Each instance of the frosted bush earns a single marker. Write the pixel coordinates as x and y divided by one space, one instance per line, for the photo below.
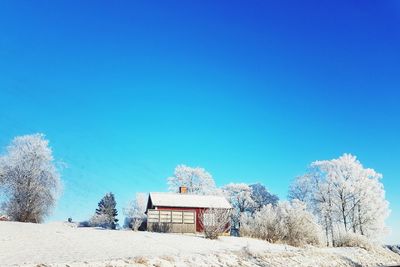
214 222
354 240
285 223
247 227
300 226
100 220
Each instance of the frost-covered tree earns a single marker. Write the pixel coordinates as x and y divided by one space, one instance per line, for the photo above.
261 196
345 196
135 212
301 188
29 180
310 189
197 180
106 211
239 195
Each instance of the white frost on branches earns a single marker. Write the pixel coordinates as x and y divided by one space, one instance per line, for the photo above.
214 222
30 182
287 222
261 196
135 211
197 180
239 195
345 196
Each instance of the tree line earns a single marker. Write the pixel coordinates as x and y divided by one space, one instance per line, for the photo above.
333 201
336 201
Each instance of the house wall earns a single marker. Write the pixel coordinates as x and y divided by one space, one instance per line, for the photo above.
197 211
175 221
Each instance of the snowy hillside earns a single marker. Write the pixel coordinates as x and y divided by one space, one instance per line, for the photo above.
59 244
394 248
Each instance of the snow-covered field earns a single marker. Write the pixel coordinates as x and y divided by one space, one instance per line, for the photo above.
63 244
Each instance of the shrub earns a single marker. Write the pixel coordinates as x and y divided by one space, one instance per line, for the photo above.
301 227
140 260
285 223
214 222
136 224
84 224
354 240
100 220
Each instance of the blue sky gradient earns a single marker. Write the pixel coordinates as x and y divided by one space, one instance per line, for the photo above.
251 91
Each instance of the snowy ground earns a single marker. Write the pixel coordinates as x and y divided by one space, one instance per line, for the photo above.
62 244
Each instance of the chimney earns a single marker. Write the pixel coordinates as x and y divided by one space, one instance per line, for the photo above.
182 190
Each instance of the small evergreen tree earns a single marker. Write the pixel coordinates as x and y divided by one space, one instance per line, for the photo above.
107 210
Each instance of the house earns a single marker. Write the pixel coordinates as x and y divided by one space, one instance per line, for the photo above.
181 212
4 218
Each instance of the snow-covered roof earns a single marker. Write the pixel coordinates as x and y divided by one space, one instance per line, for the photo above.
189 201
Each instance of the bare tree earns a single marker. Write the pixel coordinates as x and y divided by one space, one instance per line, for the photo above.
214 222
30 182
135 212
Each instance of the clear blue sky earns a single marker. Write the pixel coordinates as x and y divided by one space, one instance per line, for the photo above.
253 91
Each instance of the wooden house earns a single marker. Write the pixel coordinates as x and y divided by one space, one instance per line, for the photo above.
181 212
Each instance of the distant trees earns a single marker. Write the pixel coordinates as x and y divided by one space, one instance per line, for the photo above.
301 187
135 212
106 213
261 196
347 200
247 199
244 198
239 195
197 180
29 180
345 196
